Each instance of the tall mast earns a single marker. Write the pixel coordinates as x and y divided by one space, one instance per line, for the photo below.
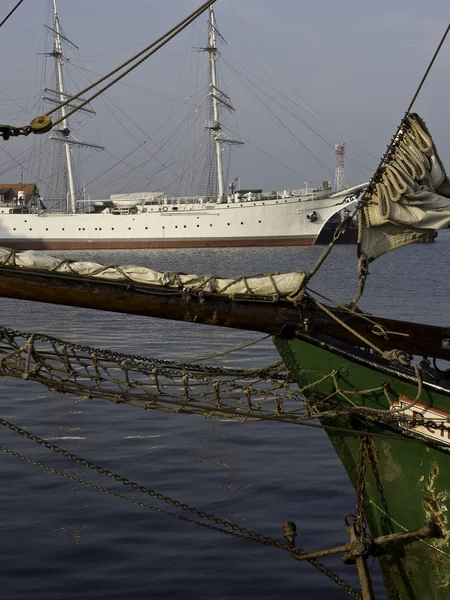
63 134
57 53
217 129
217 98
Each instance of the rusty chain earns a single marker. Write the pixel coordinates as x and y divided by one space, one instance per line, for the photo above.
360 488
8 131
226 526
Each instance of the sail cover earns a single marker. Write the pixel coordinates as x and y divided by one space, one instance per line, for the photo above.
276 285
412 197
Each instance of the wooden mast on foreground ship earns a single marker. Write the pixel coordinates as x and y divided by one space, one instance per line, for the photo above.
381 395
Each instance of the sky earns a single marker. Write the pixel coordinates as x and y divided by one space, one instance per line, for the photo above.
302 76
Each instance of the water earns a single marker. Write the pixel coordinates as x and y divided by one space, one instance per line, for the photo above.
61 540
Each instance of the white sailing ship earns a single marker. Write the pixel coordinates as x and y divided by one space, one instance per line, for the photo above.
156 220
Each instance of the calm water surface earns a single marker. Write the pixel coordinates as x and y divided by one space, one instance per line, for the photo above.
61 540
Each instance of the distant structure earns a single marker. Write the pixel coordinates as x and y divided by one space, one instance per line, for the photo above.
339 178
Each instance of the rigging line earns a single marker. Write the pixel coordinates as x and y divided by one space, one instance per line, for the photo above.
11 12
277 161
181 75
156 45
367 192
140 89
289 100
402 122
289 86
230 351
158 146
119 160
362 167
106 99
175 157
277 119
361 315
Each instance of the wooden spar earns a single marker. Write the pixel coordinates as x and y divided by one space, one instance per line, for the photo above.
212 309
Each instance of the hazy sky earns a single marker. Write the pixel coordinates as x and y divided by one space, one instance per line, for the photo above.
329 71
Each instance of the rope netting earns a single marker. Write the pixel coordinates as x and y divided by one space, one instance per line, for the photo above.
149 383
267 393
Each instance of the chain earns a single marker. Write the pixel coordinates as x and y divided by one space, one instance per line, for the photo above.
360 487
120 356
126 498
226 526
7 131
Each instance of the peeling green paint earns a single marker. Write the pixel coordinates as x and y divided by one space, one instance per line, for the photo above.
406 484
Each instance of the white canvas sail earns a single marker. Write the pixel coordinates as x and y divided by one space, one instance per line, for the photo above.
412 198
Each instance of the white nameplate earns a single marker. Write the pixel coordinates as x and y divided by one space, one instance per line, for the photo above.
430 422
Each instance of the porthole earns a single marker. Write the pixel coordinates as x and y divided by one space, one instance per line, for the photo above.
31 229
259 221
185 226
198 225
129 228
112 228
242 223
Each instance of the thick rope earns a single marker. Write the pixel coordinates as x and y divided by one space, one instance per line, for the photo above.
145 54
11 12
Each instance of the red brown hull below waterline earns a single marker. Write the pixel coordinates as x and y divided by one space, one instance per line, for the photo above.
36 244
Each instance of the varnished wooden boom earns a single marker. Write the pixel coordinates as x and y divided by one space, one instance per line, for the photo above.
212 309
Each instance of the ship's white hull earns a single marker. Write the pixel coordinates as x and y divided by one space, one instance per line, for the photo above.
282 222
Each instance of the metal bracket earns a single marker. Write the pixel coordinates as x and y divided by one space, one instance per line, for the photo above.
357 550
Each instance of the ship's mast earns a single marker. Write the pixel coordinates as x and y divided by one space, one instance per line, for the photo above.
217 98
57 53
63 134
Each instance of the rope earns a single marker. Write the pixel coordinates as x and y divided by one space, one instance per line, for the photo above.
341 229
363 272
367 193
394 139
11 12
235 349
343 324
156 45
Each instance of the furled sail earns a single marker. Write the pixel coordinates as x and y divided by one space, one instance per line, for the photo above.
279 285
412 197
